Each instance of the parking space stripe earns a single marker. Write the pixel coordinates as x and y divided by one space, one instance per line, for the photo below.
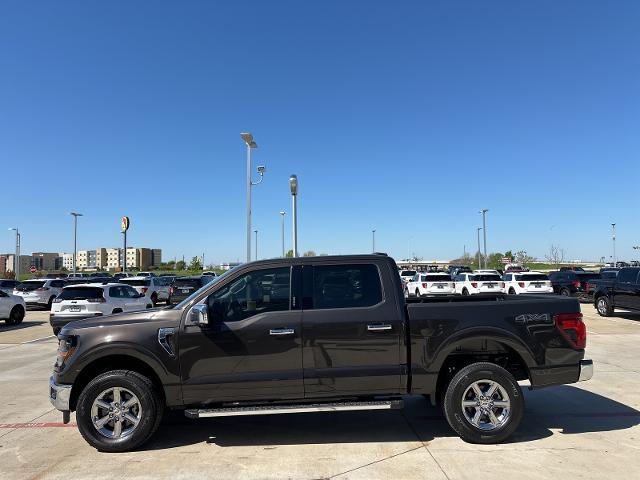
37 425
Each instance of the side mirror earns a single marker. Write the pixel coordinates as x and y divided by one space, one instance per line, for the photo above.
200 316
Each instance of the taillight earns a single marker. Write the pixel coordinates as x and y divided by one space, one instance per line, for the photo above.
171 290
57 300
572 328
521 284
144 289
576 283
425 285
474 284
96 300
42 289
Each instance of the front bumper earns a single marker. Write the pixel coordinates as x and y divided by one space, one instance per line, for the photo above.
59 395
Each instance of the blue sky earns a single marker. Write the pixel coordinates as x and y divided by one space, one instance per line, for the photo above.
406 117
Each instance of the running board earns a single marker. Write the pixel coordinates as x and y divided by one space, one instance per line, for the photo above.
299 408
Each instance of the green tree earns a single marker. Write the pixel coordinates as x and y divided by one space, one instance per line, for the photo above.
195 264
180 265
289 254
309 253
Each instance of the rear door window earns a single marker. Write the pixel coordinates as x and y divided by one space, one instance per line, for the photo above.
346 286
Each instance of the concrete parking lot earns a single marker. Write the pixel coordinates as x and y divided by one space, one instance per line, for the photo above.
589 430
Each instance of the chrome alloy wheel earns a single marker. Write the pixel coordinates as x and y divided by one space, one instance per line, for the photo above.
602 307
116 412
486 405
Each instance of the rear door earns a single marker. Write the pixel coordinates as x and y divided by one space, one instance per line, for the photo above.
626 290
351 330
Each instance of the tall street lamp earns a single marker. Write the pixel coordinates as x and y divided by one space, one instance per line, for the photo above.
282 214
613 237
251 144
256 232
16 257
75 238
479 254
484 233
373 240
293 184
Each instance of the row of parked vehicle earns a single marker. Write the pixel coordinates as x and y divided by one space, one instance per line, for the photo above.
78 297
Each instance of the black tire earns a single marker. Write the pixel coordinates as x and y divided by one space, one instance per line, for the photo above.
465 292
56 330
116 310
512 291
150 403
461 385
603 306
154 299
417 292
50 303
565 292
16 315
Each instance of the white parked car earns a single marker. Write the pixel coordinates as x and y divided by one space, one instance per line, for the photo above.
39 292
475 283
145 274
94 300
426 284
12 308
155 289
527 282
490 272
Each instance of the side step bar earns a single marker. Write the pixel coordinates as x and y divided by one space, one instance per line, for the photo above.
299 408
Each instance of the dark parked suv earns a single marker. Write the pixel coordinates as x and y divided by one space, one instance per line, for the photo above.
182 287
573 283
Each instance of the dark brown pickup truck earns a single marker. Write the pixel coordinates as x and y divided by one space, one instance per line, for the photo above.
318 334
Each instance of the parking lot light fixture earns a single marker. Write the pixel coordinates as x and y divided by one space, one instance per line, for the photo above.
16 257
293 185
282 214
484 233
613 238
251 144
75 238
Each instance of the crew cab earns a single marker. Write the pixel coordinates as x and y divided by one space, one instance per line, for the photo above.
620 291
526 282
425 284
475 283
573 283
315 334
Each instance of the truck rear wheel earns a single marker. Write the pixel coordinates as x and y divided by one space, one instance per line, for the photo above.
118 411
483 403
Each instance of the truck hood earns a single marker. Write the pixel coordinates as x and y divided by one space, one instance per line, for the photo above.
165 316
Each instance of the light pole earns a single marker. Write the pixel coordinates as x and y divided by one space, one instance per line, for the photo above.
613 237
16 257
479 254
484 233
256 232
293 184
282 214
75 238
251 144
373 241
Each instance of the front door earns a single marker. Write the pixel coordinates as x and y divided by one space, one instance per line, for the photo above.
352 331
252 349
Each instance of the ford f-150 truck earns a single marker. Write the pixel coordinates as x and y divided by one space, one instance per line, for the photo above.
315 334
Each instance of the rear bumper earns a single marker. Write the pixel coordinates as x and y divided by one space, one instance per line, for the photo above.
545 377
62 320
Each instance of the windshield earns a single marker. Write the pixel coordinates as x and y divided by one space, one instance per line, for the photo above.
531 278
136 283
187 300
80 293
30 285
408 273
485 278
186 282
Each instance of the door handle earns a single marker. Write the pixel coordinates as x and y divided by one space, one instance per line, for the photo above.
282 331
379 327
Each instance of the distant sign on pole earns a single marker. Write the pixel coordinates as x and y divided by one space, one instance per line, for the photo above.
124 224
33 269
505 260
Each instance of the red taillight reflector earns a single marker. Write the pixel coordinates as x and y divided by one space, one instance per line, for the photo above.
474 284
576 283
425 285
144 289
521 284
572 328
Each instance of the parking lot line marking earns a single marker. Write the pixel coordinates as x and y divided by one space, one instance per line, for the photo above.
37 425
38 339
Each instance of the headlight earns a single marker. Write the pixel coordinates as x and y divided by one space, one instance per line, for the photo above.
66 348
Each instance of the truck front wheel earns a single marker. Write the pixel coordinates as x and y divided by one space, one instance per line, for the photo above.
603 305
483 403
118 411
